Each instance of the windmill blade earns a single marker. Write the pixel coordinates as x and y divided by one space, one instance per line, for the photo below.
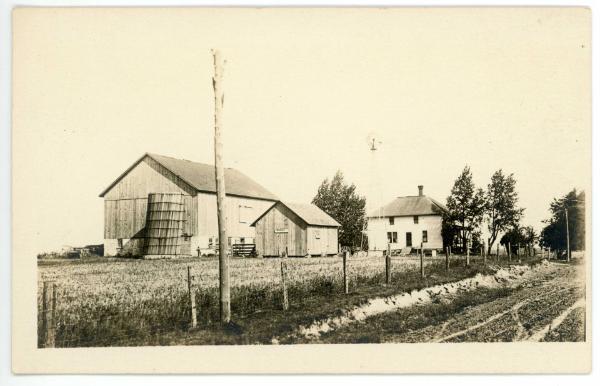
373 140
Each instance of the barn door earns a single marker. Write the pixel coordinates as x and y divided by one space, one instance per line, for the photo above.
281 242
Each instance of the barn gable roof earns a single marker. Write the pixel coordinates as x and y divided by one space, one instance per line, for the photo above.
410 206
202 178
309 213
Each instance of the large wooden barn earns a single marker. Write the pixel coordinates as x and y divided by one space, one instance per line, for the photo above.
298 229
181 218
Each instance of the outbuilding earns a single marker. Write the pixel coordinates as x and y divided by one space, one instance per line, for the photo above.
298 229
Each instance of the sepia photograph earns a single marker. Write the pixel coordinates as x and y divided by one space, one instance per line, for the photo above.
304 179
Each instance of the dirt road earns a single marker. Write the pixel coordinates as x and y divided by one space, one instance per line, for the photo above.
546 304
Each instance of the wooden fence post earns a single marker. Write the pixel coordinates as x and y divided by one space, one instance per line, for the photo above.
509 252
422 265
447 259
48 311
388 265
284 286
484 254
468 255
498 252
192 297
345 270
388 269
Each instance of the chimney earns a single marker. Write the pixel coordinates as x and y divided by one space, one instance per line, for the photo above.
420 190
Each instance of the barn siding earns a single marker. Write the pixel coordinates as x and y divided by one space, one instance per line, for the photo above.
332 237
326 243
190 205
122 218
207 217
147 177
267 240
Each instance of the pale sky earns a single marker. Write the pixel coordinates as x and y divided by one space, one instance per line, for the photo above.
441 88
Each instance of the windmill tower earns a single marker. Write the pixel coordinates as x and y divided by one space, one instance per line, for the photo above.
375 192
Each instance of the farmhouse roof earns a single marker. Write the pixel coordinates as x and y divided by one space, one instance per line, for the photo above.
410 206
202 177
309 213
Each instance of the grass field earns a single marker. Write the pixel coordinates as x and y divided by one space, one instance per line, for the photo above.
108 302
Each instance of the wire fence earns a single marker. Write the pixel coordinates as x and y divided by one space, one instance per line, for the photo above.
142 302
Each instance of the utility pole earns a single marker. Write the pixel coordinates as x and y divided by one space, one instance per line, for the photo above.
224 287
568 241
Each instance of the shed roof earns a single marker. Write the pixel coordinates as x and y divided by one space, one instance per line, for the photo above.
202 177
410 206
309 213
312 214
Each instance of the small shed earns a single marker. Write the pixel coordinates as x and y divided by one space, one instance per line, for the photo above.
299 229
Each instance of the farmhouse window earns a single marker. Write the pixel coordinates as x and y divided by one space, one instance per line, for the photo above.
424 236
317 234
245 213
416 219
391 221
408 239
392 237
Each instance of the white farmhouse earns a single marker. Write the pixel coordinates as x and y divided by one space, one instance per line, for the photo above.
407 222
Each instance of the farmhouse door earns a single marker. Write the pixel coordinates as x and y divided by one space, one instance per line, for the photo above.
281 242
408 239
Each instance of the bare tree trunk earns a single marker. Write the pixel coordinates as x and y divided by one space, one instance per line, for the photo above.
491 241
464 238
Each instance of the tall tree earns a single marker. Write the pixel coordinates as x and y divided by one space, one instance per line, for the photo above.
554 235
450 230
501 205
519 236
341 201
530 237
465 206
514 236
